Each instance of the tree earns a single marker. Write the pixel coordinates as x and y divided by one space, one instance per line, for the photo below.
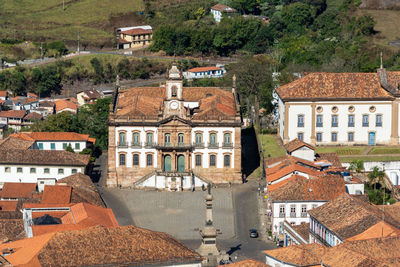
69 149
98 69
49 81
357 165
374 175
245 6
297 16
254 79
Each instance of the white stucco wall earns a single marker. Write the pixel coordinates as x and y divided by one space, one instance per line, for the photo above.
277 220
392 169
361 133
304 153
59 145
281 119
352 189
27 177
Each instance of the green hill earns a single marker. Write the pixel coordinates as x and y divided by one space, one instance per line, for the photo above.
41 20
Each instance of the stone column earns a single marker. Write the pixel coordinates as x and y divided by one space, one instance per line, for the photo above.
313 123
394 137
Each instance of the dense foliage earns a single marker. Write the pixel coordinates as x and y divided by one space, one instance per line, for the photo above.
306 35
91 119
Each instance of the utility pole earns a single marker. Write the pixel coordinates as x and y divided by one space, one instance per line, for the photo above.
41 50
78 42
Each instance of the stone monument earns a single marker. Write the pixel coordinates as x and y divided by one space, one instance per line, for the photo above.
208 248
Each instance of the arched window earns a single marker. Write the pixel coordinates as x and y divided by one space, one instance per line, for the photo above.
149 160
199 139
213 162
227 160
213 139
227 139
174 91
122 139
135 139
122 159
135 160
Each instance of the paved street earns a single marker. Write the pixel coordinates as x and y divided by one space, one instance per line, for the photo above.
181 214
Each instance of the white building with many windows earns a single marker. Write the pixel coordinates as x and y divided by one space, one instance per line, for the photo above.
341 108
292 201
174 137
29 166
57 140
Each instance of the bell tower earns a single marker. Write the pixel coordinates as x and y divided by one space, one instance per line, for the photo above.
173 103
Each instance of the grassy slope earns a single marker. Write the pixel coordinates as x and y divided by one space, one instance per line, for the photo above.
45 19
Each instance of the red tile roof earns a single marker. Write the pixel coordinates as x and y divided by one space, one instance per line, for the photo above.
299 255
114 246
52 136
3 93
11 230
33 116
65 104
247 263
32 95
17 190
201 69
56 194
223 8
323 188
337 86
43 157
347 216
292 168
296 144
8 205
15 143
13 114
137 31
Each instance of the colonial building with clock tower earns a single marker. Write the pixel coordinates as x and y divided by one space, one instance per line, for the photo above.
173 137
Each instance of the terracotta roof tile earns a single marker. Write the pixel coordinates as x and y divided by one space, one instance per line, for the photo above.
137 31
12 142
296 144
52 136
83 189
322 188
99 246
8 205
339 86
291 169
273 187
247 263
65 104
371 252
46 103
300 255
33 116
43 157
56 194
13 114
223 8
303 230
201 69
330 157
17 190
3 93
347 216
32 95
11 230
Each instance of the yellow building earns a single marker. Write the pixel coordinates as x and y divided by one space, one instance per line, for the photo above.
134 37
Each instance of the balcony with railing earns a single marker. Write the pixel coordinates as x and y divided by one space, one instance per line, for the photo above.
170 145
282 215
292 214
304 214
123 144
227 145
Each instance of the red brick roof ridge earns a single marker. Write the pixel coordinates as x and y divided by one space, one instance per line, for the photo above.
322 85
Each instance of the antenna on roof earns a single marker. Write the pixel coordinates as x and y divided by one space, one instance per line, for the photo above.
381 62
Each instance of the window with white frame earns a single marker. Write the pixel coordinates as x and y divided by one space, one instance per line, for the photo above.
350 121
282 211
303 210
300 120
378 122
319 137
365 120
335 121
293 211
319 121
350 136
334 137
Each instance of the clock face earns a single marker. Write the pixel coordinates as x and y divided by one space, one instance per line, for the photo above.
173 105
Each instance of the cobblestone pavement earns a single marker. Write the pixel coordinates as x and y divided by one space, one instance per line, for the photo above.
180 214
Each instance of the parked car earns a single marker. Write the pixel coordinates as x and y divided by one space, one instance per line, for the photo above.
253 233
